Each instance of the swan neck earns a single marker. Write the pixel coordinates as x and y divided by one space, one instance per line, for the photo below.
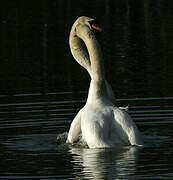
96 57
79 52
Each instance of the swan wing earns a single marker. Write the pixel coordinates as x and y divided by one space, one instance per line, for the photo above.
75 128
126 128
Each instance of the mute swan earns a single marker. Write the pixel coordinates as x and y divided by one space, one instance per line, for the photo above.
100 122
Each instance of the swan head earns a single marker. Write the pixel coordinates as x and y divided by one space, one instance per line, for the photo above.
77 46
84 21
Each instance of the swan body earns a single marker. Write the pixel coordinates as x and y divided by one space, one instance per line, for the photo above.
100 122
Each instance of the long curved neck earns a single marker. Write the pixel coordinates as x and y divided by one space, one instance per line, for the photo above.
97 86
95 56
79 52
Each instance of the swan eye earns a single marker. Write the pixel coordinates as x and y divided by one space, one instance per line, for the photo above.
91 23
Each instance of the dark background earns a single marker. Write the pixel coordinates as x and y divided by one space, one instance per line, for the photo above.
42 87
137 42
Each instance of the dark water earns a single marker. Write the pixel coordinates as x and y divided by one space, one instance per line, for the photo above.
42 88
30 150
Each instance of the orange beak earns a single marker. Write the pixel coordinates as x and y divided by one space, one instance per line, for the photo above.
95 26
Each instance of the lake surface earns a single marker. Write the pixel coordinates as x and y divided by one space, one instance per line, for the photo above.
30 150
42 88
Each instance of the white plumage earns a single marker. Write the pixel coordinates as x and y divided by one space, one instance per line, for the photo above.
100 122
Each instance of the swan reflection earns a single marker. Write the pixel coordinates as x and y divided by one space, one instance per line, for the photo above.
104 163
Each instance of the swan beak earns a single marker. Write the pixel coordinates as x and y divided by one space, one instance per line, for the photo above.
95 26
75 34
